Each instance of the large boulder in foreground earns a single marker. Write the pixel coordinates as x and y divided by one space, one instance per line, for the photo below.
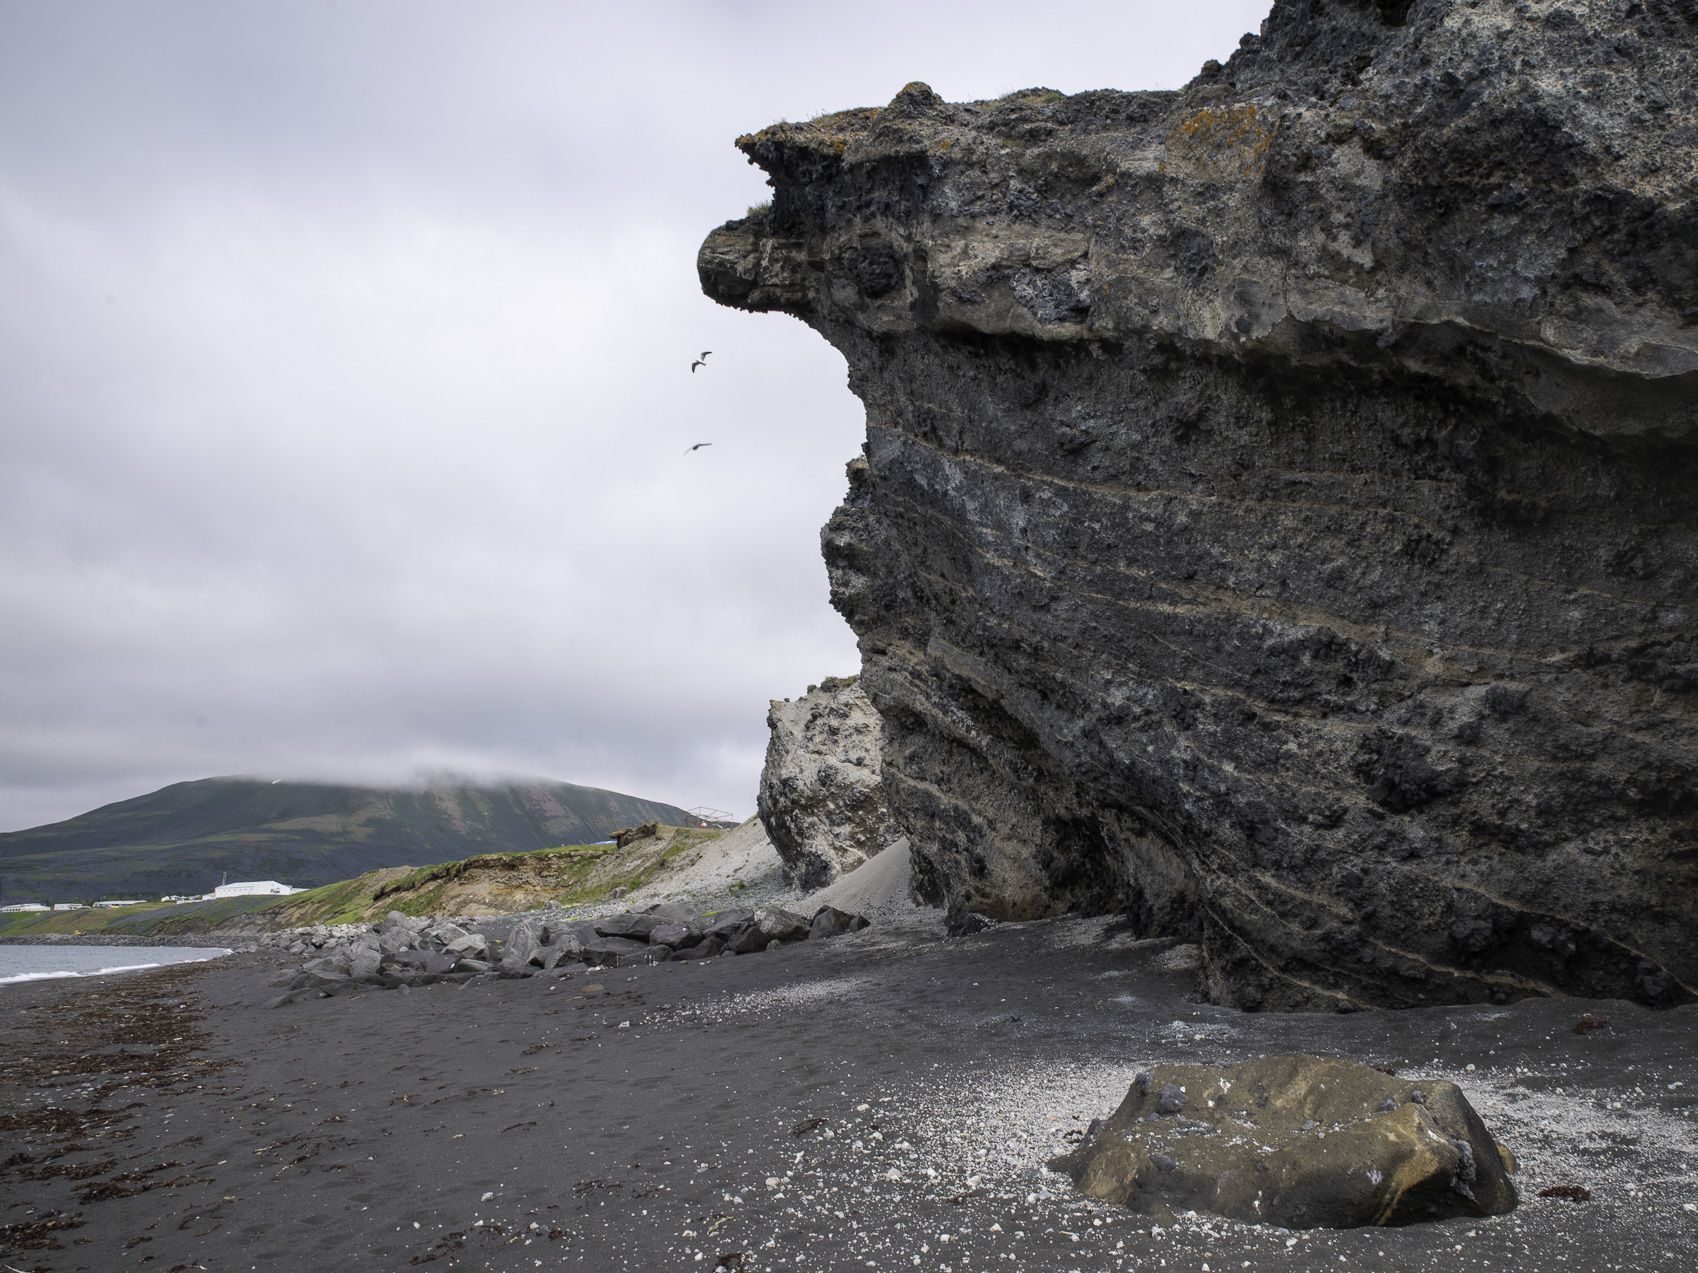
1277 519
1303 1142
821 798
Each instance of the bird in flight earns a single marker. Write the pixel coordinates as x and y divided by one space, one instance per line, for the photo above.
700 362
698 446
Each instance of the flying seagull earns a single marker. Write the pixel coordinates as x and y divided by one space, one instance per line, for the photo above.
698 446
700 362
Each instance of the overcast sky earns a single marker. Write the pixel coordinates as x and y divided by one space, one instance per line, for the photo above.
344 379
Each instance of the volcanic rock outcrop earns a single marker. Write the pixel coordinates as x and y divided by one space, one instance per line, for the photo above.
821 799
1303 1142
1276 519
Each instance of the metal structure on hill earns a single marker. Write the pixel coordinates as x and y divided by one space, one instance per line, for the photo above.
713 819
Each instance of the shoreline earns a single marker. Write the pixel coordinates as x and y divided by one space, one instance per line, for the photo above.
91 963
644 1115
230 941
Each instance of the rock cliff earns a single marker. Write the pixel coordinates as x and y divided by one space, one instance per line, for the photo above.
1277 513
821 798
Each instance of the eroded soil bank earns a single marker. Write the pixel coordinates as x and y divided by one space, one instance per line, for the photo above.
167 1121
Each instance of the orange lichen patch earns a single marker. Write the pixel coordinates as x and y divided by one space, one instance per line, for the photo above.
1233 139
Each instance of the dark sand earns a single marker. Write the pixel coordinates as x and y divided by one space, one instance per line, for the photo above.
170 1122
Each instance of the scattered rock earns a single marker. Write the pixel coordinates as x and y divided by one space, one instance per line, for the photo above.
403 951
1299 1141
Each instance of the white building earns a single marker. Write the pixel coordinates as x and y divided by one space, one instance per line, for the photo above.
133 902
23 906
251 888
70 906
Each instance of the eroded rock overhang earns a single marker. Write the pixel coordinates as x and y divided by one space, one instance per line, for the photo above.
1277 514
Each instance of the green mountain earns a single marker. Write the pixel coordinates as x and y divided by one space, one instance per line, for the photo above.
185 837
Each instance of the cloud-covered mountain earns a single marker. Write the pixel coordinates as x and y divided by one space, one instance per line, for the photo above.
185 837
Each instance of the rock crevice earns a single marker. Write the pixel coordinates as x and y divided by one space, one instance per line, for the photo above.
1277 513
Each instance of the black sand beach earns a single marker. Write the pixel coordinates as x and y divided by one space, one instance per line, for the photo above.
884 1100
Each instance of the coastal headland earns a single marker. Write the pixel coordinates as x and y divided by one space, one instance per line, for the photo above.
1271 561
1277 509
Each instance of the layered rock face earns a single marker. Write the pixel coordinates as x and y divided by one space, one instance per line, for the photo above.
821 798
1277 512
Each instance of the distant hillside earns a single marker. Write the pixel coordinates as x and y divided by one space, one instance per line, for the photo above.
484 885
182 838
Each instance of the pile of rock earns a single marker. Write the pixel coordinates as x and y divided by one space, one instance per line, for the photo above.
405 951
303 941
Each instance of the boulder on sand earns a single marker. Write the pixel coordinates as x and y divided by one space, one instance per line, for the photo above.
522 948
830 922
706 949
472 945
636 927
444 932
565 942
778 924
747 939
621 952
365 957
726 923
320 974
1303 1142
671 913
677 936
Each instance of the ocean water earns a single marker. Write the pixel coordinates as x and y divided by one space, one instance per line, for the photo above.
37 963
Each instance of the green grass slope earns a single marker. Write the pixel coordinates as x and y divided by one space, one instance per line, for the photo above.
147 920
182 838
